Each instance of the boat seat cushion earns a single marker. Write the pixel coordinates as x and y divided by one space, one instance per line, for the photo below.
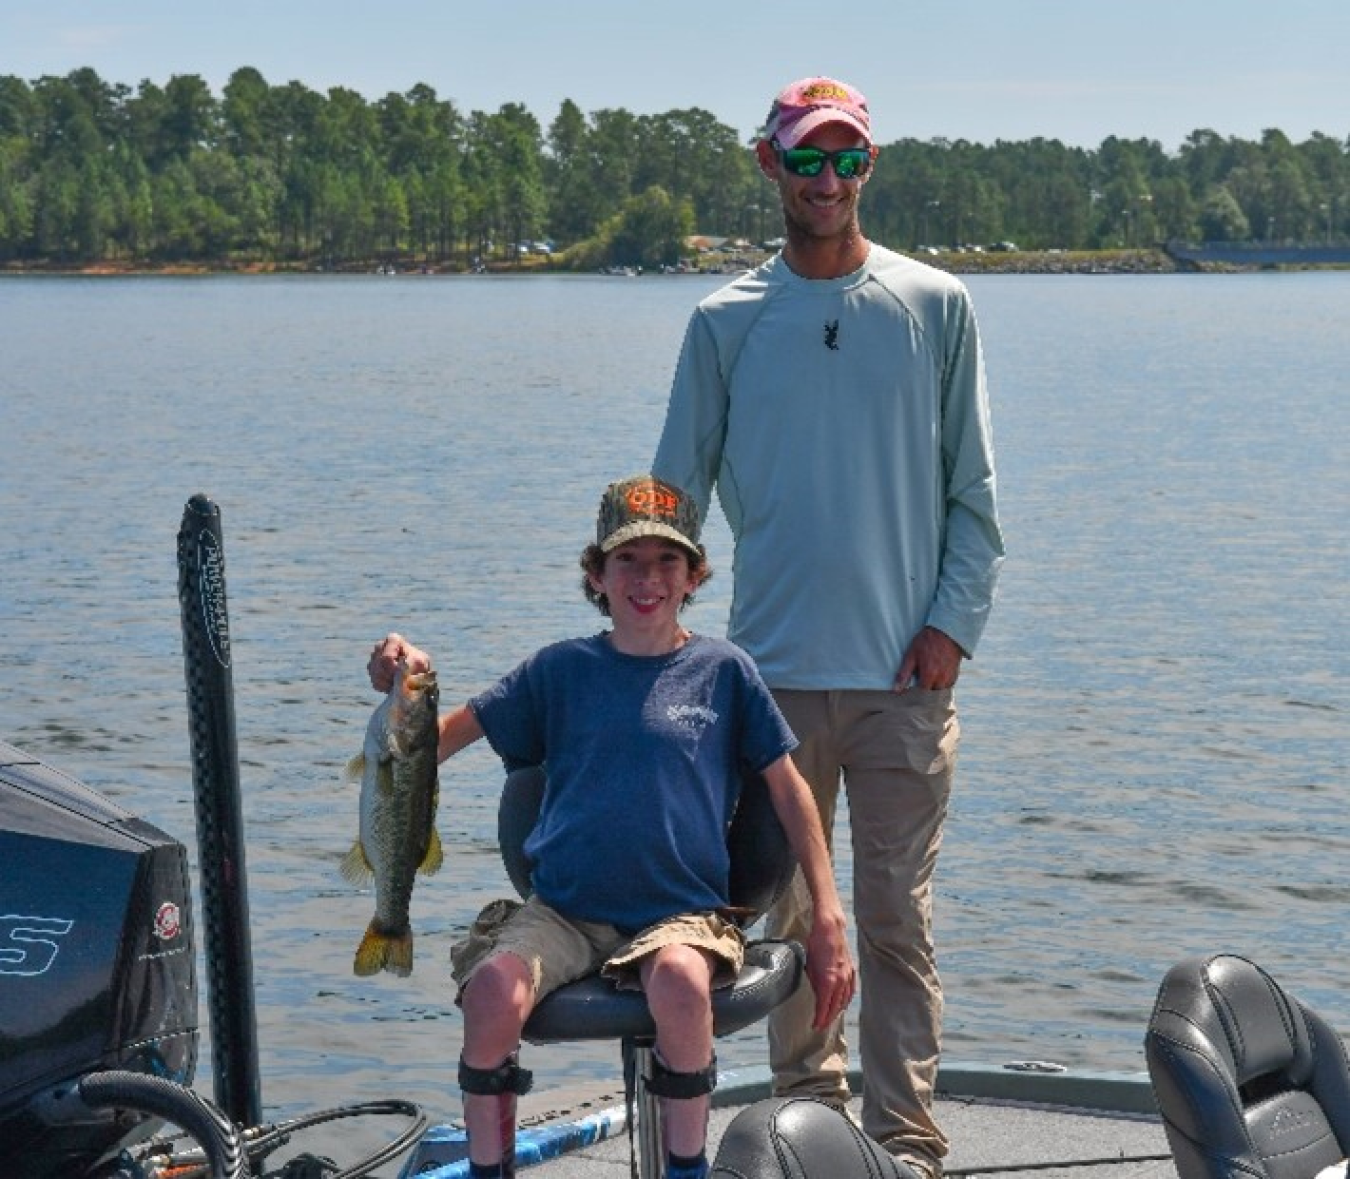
800 1138
593 1008
1247 1079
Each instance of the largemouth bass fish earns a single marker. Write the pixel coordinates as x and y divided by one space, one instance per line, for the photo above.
399 793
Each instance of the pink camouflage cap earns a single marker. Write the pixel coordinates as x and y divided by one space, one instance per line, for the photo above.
812 103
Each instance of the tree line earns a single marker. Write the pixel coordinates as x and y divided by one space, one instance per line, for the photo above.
94 172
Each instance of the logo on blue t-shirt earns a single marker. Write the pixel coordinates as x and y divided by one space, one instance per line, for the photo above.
694 717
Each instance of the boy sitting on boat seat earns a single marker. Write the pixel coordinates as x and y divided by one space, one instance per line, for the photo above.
644 729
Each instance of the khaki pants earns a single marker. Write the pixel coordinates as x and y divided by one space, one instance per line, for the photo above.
896 754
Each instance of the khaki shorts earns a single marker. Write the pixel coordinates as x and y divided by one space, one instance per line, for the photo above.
558 950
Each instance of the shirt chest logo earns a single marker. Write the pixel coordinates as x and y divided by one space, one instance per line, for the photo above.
694 717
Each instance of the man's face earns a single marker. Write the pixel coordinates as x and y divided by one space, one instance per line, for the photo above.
821 207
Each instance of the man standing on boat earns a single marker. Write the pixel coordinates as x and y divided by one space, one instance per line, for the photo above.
835 397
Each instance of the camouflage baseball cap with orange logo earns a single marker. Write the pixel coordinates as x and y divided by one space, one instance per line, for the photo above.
644 506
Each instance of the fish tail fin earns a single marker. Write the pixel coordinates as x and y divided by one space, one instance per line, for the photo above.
435 857
380 950
355 865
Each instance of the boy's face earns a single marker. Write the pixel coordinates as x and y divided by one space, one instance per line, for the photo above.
646 581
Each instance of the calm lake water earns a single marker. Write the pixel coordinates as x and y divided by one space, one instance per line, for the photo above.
1155 755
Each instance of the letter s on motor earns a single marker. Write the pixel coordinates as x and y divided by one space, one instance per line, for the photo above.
26 945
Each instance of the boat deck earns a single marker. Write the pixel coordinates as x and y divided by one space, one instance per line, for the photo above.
1063 1125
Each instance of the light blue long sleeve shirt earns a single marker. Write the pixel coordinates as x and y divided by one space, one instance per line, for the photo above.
845 425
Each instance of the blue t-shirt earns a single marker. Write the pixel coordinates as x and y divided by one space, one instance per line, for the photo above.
644 756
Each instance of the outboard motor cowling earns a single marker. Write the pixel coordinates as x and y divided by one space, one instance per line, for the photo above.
97 967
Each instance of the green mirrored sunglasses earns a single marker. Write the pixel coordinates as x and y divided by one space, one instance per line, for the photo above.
849 164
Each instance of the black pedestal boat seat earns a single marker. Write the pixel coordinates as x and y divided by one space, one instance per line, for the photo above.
800 1138
1249 1081
592 1008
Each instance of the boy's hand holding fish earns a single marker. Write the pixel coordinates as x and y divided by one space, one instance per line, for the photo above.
385 656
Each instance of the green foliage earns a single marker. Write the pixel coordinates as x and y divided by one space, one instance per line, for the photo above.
649 231
92 172
1221 217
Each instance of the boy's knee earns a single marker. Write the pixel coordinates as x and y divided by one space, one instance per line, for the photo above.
501 984
682 970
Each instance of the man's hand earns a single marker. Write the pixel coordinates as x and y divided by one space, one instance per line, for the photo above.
933 662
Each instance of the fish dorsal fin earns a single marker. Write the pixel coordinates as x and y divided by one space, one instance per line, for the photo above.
355 865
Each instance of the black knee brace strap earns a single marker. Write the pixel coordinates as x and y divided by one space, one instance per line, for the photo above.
507 1077
666 1083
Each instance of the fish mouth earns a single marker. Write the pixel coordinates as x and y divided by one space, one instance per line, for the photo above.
420 681
415 692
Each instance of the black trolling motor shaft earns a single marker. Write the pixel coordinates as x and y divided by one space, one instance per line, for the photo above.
220 826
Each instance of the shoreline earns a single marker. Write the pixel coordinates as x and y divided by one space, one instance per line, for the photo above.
1131 261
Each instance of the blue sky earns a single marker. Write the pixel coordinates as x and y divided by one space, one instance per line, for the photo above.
981 70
